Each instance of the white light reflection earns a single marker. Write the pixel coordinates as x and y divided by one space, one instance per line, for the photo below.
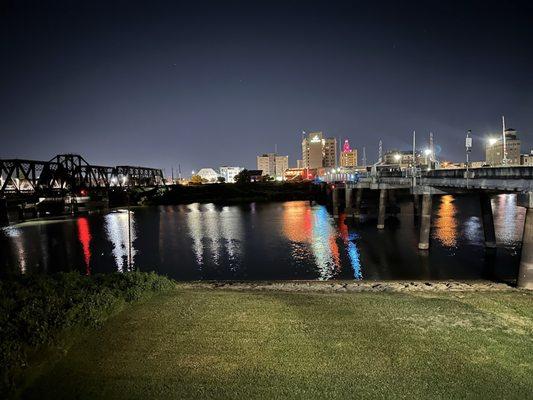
508 219
16 240
214 232
116 227
194 222
232 234
323 244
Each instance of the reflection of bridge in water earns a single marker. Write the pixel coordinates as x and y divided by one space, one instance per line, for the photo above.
483 181
67 177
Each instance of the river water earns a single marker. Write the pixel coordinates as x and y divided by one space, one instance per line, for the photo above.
286 240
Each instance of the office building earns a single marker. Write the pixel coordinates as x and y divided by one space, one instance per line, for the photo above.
273 165
318 151
348 155
494 150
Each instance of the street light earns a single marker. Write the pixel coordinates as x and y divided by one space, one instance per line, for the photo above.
492 141
397 157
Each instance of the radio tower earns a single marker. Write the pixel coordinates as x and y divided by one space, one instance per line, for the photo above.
380 152
364 156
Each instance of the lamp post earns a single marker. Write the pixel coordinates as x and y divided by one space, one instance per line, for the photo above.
468 146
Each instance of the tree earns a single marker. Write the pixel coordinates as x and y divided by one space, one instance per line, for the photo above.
221 179
196 180
243 177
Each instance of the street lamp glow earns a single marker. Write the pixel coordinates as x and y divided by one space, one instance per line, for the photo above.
397 157
427 152
492 141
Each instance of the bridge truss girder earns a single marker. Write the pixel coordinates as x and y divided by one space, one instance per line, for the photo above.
70 173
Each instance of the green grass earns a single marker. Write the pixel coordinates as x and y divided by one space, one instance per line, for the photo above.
200 343
41 312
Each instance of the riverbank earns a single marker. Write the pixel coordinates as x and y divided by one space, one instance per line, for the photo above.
222 340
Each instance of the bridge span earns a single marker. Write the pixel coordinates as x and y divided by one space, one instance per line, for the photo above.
67 180
423 186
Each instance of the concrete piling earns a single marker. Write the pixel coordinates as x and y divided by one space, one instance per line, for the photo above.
382 208
348 202
488 221
525 270
335 200
358 200
425 222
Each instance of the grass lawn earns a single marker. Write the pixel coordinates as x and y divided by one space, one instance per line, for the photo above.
201 343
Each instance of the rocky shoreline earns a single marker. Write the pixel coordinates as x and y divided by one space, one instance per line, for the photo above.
352 286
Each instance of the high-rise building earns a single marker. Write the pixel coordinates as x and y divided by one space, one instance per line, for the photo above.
282 164
267 164
229 173
318 152
272 165
494 150
348 155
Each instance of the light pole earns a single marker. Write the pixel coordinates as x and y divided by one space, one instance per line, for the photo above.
468 146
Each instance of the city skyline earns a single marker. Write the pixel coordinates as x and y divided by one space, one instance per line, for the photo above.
227 82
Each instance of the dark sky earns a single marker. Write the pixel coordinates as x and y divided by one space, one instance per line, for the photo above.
214 83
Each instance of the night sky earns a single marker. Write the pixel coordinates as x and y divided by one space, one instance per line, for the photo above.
206 84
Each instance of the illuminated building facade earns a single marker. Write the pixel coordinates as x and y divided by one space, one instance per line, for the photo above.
208 174
229 173
273 165
348 155
494 151
318 151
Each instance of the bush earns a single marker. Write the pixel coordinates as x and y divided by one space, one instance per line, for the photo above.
35 309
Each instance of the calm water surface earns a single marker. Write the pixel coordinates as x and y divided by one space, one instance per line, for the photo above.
290 240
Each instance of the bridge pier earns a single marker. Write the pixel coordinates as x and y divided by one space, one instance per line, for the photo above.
335 201
348 202
525 271
382 208
488 220
358 201
416 205
425 222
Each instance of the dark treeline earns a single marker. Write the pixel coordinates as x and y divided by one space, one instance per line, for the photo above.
234 193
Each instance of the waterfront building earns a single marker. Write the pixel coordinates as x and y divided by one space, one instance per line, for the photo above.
208 174
494 149
228 173
402 158
296 174
348 155
318 151
527 159
273 165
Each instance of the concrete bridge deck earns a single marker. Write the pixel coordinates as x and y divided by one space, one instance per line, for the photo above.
483 181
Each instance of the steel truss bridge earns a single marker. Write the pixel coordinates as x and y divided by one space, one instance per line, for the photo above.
70 173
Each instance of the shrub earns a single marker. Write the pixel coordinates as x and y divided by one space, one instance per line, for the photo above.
35 309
